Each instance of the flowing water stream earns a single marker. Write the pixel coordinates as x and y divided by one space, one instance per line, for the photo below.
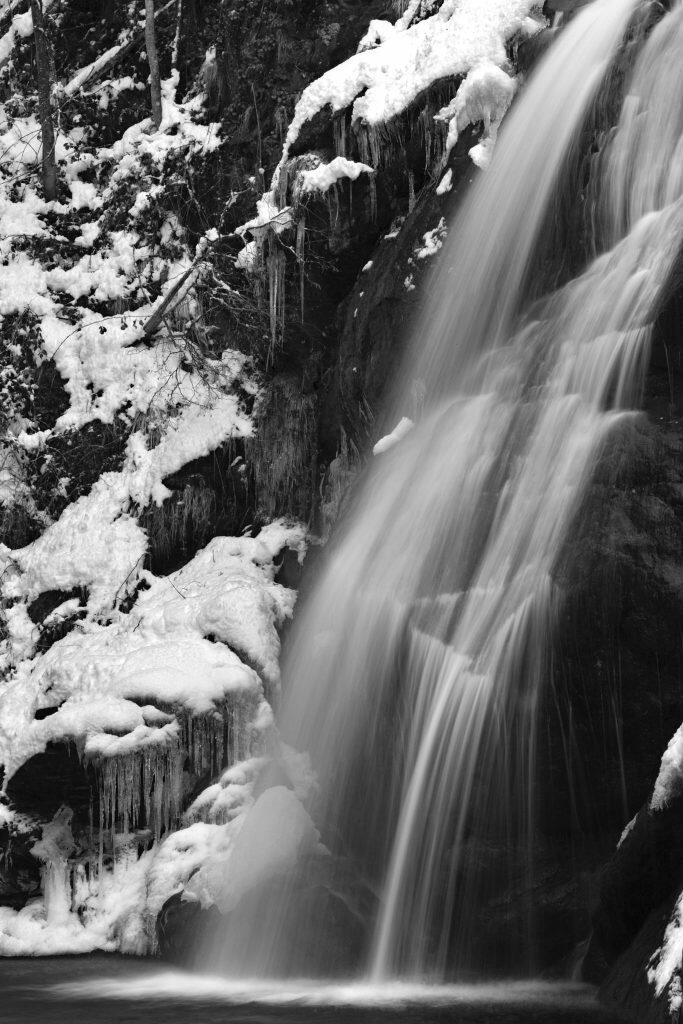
415 671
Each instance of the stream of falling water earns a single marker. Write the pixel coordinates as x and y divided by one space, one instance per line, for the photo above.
414 674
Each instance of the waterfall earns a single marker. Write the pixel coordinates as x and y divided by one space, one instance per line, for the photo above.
414 673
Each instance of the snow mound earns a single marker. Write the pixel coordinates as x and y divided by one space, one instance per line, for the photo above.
268 841
398 62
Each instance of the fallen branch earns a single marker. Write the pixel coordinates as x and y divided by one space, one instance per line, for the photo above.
97 69
176 295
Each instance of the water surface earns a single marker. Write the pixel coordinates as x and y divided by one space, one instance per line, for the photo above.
119 990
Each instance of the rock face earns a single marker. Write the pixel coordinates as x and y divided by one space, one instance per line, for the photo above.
623 646
181 926
614 697
628 986
640 881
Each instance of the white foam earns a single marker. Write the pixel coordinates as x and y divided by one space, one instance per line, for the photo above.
177 984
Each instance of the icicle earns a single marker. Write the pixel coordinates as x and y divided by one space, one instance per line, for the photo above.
273 283
375 146
363 145
176 39
220 739
339 133
372 188
100 848
140 785
53 850
300 256
333 198
56 884
276 265
283 185
91 823
411 190
439 140
426 119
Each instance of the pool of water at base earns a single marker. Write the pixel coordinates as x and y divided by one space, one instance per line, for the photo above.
122 990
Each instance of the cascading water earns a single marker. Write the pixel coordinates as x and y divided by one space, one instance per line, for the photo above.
414 674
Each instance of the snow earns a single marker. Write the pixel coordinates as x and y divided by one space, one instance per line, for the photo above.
380 82
248 257
664 968
87 72
269 841
224 800
21 28
28 932
21 218
119 688
111 910
485 95
401 430
669 783
394 65
432 241
268 216
94 544
446 183
187 667
102 676
212 860
628 828
378 32
90 232
321 178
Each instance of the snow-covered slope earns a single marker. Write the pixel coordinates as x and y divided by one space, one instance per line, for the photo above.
156 681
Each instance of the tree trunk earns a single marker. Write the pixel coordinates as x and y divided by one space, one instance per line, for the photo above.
47 130
151 45
176 40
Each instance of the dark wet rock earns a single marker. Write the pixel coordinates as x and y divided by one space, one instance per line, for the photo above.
320 909
536 920
386 301
628 986
19 869
53 778
531 50
181 927
48 781
644 875
325 937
